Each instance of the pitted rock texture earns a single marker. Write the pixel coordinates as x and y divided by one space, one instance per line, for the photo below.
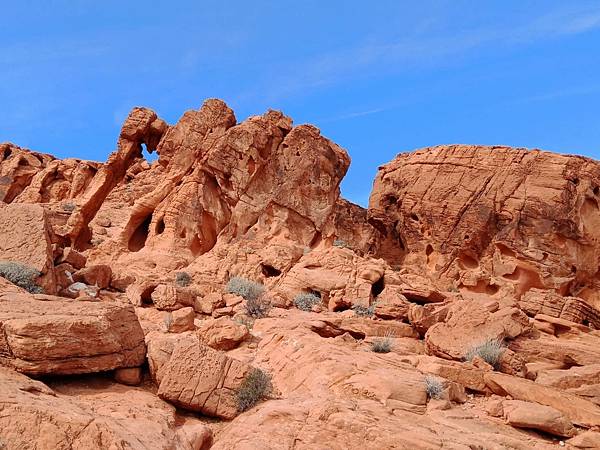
493 219
460 245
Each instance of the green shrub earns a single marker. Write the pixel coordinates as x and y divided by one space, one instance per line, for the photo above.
490 351
21 275
364 311
306 301
183 279
250 290
434 387
255 387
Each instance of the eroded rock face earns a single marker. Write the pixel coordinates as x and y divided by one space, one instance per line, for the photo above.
194 376
460 245
493 218
75 416
59 336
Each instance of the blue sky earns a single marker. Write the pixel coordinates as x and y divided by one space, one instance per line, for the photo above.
378 77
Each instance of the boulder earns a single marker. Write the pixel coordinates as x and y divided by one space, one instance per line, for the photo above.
170 298
180 320
75 415
72 257
538 417
468 324
95 275
222 333
579 411
42 337
32 248
194 376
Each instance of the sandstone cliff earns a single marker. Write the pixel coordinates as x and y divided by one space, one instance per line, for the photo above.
460 310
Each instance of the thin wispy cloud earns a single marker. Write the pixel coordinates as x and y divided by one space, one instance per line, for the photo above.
352 115
419 50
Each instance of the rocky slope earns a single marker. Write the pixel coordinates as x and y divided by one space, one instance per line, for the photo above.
149 305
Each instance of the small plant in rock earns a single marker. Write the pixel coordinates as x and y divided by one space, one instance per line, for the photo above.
434 387
306 301
68 206
21 275
247 321
254 388
183 279
340 243
489 350
250 290
364 311
258 307
168 321
383 344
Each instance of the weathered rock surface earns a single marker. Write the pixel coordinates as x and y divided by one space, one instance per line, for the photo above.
94 414
459 245
539 417
58 336
194 376
493 217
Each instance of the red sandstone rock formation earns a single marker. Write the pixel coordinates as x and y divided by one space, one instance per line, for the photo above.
460 246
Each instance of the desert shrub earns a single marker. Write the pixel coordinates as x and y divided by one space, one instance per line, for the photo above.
258 307
247 321
364 311
21 275
168 321
183 279
305 301
250 290
68 206
340 243
382 345
489 350
434 387
255 387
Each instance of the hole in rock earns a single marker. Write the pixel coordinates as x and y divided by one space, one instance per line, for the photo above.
596 190
251 166
148 156
429 249
146 295
160 226
23 162
377 287
7 153
183 233
316 240
269 271
390 200
137 241
207 237
467 261
414 217
575 181
573 269
467 237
